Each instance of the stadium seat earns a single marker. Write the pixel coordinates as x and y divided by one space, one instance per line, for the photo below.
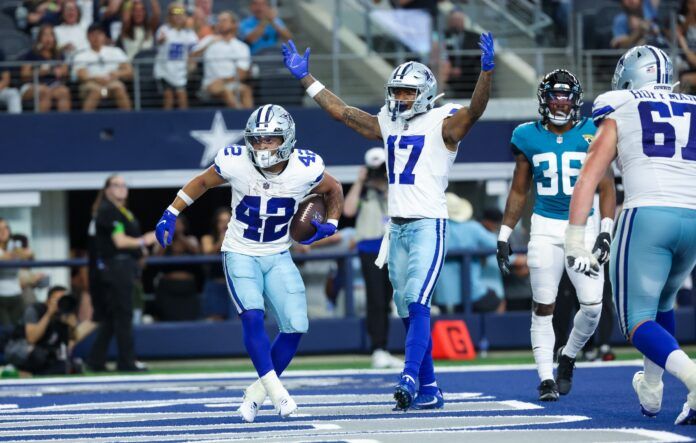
149 95
14 43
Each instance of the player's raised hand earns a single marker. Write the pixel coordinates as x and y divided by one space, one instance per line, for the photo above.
487 51
297 65
602 247
164 231
323 230
503 254
579 259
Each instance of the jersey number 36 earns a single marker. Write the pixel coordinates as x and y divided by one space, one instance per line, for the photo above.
571 162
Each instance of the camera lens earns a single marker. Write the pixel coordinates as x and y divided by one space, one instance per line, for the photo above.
67 304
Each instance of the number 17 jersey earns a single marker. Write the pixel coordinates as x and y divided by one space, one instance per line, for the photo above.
418 163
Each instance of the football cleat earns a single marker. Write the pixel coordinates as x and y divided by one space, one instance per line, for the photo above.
687 416
285 406
649 396
404 392
428 397
254 396
248 411
382 359
564 373
548 391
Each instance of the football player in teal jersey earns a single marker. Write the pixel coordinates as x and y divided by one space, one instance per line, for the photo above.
549 153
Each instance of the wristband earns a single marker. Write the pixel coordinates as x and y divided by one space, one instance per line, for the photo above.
184 196
606 225
504 233
333 221
315 88
173 210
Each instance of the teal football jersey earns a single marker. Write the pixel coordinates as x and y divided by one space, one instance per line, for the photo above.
556 161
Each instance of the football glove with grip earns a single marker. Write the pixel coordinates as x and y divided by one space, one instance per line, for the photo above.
487 51
323 230
503 254
166 225
602 247
578 257
297 64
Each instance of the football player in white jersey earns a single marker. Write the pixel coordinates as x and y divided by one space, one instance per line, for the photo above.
652 132
269 178
421 143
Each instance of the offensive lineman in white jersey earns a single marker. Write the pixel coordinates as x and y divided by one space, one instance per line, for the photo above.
652 132
268 178
421 143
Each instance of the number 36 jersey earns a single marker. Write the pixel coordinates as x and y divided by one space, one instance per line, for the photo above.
656 145
262 207
418 163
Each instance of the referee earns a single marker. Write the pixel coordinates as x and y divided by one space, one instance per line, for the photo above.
116 244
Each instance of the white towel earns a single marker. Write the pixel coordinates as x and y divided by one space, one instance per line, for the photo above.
383 254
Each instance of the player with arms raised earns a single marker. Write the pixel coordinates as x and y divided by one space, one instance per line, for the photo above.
421 143
550 153
268 178
653 133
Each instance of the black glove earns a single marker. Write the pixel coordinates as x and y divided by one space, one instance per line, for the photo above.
602 247
503 256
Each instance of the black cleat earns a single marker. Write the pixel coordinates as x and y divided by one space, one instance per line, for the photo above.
548 391
564 373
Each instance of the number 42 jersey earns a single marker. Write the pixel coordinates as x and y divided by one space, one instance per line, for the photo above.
656 145
262 206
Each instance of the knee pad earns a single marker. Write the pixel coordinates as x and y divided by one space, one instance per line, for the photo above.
592 311
296 324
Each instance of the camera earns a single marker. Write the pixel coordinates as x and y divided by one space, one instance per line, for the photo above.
67 304
378 173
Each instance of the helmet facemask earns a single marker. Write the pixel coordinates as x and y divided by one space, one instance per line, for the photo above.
414 76
269 125
400 108
558 99
265 157
559 89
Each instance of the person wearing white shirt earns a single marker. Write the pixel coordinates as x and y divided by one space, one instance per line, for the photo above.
71 35
226 63
101 70
174 42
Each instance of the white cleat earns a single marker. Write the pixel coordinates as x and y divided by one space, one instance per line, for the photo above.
285 405
248 410
649 396
382 359
254 396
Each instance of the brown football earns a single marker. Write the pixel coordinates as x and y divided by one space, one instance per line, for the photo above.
311 208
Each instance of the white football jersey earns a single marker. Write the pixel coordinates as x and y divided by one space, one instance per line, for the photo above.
656 145
418 163
172 54
263 207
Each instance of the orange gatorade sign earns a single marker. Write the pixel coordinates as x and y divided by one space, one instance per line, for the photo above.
451 341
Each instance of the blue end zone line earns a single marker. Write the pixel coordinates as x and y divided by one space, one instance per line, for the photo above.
296 373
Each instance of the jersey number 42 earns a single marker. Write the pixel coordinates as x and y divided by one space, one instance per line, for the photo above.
279 211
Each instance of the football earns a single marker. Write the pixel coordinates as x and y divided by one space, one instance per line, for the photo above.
311 208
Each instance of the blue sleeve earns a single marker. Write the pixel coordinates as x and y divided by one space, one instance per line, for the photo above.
620 26
517 142
245 27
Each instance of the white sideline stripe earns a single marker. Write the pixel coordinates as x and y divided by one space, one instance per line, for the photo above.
222 376
8 406
520 405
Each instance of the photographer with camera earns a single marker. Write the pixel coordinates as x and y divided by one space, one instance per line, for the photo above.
367 201
43 343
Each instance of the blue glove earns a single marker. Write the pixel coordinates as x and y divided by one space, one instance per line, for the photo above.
487 51
323 230
166 224
296 64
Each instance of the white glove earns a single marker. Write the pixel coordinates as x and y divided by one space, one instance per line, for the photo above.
579 258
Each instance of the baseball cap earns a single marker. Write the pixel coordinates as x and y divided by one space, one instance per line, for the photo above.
374 157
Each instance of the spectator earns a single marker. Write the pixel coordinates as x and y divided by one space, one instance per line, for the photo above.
486 283
101 71
52 75
686 37
262 29
217 304
226 63
11 305
34 13
28 280
202 20
637 25
109 15
176 295
367 199
43 344
8 95
174 43
71 35
137 33
117 245
460 71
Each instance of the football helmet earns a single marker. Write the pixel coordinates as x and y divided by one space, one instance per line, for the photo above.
411 75
643 66
559 86
270 121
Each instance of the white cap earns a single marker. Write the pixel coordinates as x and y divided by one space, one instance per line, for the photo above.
374 157
459 209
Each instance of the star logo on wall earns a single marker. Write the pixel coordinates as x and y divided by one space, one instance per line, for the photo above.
216 138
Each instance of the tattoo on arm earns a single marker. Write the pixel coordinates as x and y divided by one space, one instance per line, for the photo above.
456 127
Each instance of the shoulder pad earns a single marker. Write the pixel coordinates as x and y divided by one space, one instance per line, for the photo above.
609 102
450 109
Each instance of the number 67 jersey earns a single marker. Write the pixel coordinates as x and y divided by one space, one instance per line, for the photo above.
656 145
262 206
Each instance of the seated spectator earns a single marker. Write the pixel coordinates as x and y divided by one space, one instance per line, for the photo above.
637 25
109 15
202 19
262 29
71 35
52 75
28 279
174 42
460 72
9 96
43 344
217 304
176 291
101 71
226 63
486 293
34 13
11 305
137 33
686 37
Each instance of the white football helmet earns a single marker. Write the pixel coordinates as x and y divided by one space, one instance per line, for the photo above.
643 66
270 121
411 75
